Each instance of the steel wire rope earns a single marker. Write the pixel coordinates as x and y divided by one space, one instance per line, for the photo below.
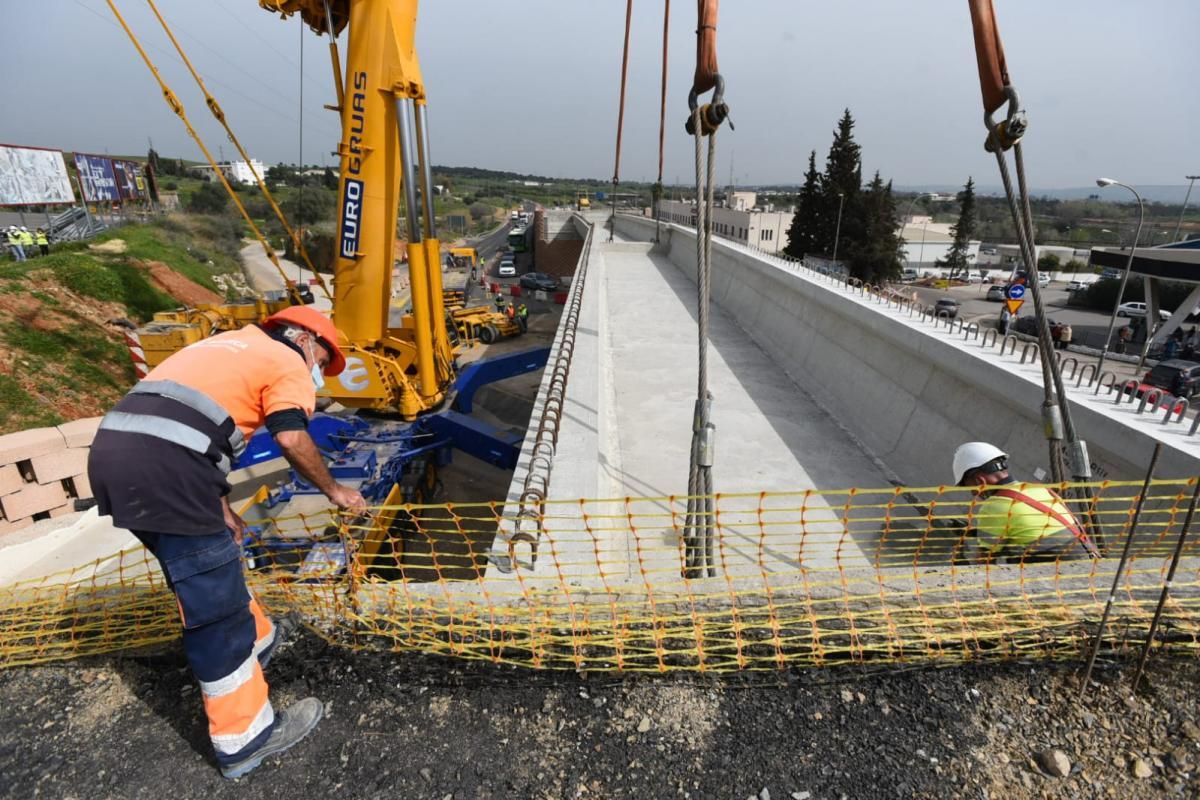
216 81
997 90
176 106
219 114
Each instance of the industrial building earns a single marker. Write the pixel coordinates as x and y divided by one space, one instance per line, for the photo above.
738 218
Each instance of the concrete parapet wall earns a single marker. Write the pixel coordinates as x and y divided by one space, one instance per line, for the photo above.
42 470
911 393
558 243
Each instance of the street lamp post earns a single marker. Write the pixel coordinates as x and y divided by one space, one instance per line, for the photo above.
1102 183
908 215
1190 179
838 235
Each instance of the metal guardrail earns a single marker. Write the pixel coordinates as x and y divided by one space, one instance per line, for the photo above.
536 485
990 339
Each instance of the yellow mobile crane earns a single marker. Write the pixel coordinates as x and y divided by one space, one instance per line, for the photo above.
384 151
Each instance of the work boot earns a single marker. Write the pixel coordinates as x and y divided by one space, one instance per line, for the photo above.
291 725
285 626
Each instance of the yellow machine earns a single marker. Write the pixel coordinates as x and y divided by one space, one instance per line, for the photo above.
384 150
582 202
464 257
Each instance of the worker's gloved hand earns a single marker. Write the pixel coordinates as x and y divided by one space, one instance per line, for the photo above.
347 499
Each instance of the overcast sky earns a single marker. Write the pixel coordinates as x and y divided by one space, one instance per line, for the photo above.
532 85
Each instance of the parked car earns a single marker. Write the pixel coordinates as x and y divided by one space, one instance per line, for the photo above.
1076 286
997 293
1043 279
989 251
946 307
1180 378
540 281
508 266
1132 310
1028 326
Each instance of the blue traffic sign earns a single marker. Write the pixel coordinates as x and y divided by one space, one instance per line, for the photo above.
1016 292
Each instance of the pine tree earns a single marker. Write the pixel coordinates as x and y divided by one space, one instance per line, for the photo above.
841 189
956 259
874 255
801 234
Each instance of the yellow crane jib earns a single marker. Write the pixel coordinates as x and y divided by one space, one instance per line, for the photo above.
384 151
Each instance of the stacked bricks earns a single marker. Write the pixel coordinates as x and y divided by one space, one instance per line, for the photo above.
43 471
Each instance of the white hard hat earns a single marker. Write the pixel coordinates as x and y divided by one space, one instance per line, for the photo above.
974 455
24 228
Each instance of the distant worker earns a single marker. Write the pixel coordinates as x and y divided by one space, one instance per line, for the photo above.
1064 336
523 317
159 466
499 301
1016 522
26 241
13 237
1124 337
510 311
43 241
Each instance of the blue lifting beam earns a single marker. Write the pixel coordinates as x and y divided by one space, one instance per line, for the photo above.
489 370
474 437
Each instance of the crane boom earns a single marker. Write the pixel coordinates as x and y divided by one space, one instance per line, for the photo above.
384 150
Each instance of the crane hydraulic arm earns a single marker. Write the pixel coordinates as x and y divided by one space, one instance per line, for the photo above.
384 150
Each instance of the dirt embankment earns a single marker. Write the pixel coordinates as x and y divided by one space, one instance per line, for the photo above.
187 292
403 725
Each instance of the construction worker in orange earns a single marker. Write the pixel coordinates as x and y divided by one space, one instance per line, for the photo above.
511 311
159 466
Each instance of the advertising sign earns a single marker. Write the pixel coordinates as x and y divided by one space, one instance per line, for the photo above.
33 176
126 174
97 178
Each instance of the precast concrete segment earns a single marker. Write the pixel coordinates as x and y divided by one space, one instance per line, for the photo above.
771 436
911 391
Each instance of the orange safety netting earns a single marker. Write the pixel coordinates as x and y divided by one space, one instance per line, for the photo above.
817 577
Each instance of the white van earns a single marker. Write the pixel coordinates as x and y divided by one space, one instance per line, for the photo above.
508 267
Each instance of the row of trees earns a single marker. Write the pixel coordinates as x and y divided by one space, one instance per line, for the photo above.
836 213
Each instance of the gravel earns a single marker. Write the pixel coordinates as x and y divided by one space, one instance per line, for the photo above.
405 725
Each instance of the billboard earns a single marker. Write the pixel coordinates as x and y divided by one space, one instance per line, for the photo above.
96 178
33 176
126 174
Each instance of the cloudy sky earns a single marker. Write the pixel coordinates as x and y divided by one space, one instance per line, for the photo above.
532 85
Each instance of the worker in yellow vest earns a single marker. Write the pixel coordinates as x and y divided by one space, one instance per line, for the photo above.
26 239
43 241
1016 522
13 237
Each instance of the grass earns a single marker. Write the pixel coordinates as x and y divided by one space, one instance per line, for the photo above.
19 410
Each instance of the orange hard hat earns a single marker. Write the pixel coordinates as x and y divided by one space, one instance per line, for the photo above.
319 325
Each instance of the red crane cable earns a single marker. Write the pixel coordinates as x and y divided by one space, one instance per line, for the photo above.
662 114
706 47
624 73
989 53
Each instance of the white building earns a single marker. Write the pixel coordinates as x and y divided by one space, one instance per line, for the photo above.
739 220
926 241
241 172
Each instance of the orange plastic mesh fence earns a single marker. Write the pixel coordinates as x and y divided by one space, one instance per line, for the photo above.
807 578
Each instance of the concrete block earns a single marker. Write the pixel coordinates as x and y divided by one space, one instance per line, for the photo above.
62 464
83 487
10 479
34 498
23 445
61 510
12 525
80 432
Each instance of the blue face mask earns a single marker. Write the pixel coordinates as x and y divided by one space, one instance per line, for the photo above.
317 378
